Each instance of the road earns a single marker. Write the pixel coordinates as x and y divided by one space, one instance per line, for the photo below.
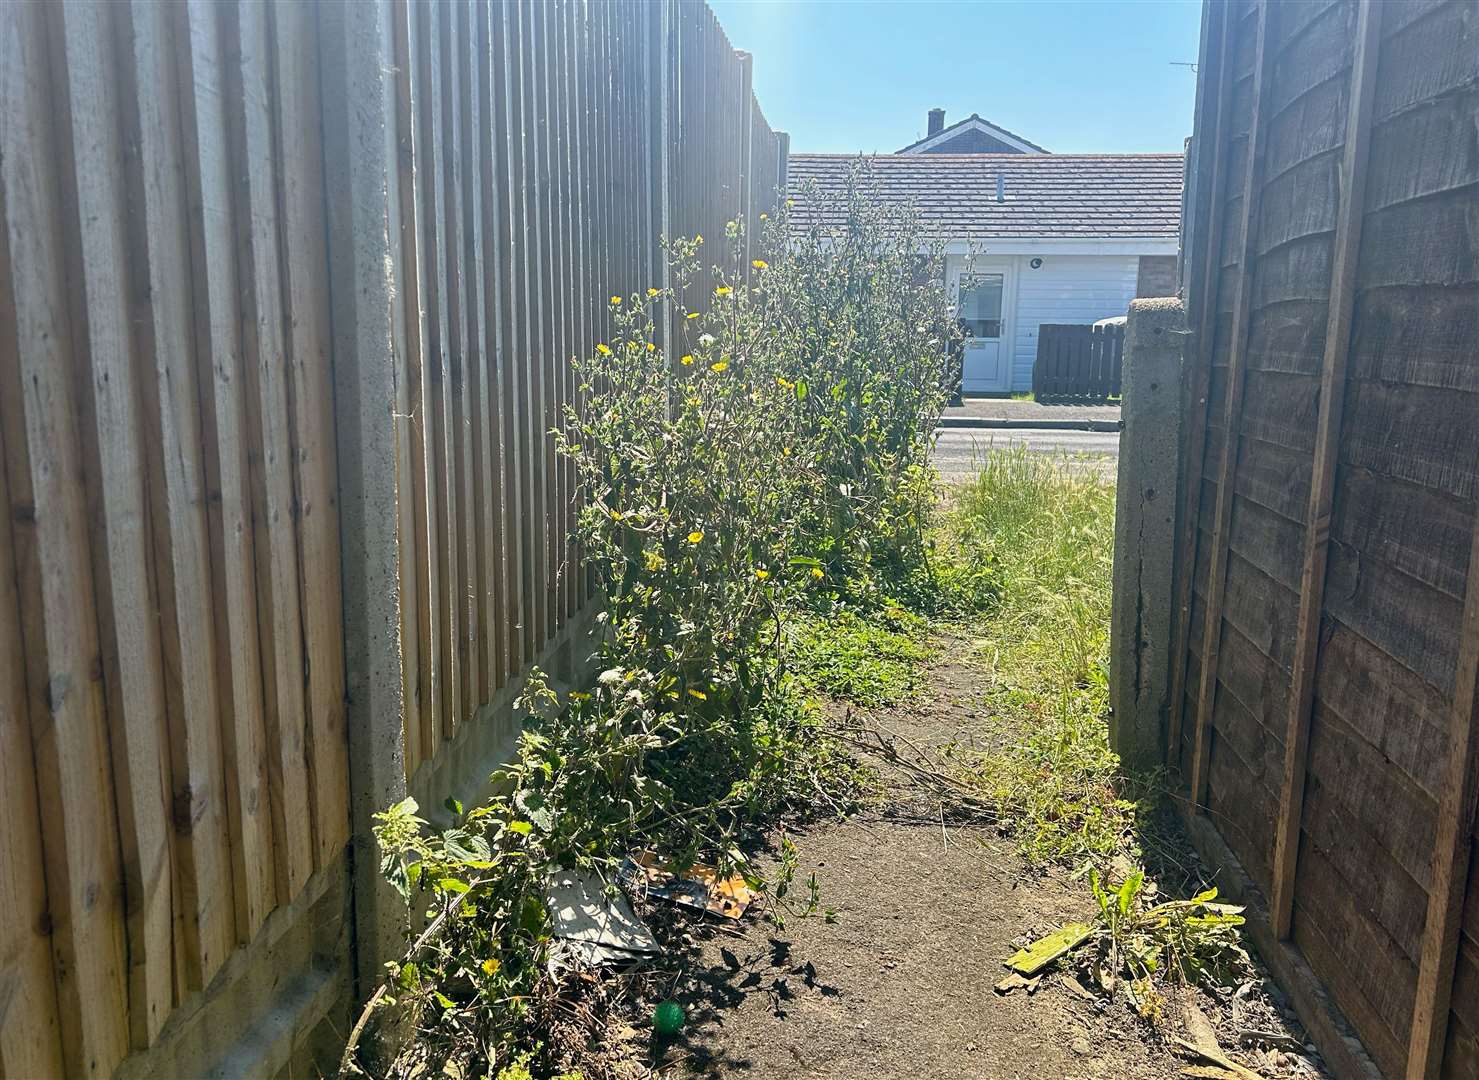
957 448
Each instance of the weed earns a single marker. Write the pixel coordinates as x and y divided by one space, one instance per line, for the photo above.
1044 528
871 659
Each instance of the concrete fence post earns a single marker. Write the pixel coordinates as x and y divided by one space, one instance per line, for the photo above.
1145 531
357 65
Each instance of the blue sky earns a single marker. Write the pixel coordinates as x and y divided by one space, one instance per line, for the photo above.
859 75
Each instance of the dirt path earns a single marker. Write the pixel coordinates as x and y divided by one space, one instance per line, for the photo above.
900 985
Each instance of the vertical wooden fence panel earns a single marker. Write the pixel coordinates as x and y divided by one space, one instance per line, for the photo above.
231 285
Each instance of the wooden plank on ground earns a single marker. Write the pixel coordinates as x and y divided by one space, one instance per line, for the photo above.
1262 73
305 306
1327 449
69 737
217 347
269 439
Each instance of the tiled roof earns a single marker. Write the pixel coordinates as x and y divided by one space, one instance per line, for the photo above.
1046 195
973 118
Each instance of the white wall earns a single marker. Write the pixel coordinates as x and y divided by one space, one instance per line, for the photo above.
1066 289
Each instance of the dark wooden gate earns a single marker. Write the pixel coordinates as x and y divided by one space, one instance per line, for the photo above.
1078 363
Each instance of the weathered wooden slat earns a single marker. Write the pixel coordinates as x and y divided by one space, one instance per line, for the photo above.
1228 462
1327 447
1451 851
1199 375
279 619
217 345
161 292
30 1035
54 574
305 305
113 465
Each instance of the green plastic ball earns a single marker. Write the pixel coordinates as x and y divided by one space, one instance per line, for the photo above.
668 1018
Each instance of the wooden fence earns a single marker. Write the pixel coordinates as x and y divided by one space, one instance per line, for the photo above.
1327 641
287 297
1078 363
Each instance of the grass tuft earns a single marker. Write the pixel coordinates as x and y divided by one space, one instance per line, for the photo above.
873 659
1046 528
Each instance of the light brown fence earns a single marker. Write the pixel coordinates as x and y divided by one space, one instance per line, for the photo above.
1324 670
288 293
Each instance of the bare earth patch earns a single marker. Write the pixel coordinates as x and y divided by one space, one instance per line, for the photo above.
900 984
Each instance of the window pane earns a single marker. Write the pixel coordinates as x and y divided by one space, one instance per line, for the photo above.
980 304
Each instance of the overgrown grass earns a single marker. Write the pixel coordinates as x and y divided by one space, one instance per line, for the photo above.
1045 528
873 659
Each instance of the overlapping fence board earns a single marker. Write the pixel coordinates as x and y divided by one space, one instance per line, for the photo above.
174 776
1337 652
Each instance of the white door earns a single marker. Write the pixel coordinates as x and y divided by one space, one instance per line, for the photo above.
985 365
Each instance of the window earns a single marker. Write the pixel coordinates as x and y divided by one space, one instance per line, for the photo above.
980 304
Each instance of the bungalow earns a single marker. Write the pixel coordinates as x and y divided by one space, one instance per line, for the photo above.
1031 237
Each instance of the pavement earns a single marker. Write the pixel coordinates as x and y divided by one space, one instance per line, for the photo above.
1009 413
957 449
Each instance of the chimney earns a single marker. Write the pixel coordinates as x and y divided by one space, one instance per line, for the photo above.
937 121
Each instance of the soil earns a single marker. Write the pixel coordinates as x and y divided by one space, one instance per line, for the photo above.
900 984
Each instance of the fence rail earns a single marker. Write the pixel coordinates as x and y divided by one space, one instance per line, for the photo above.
1078 362
288 293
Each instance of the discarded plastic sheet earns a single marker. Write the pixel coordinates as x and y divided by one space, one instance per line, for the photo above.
1045 950
592 928
698 887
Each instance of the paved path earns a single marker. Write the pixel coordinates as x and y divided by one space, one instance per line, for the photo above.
958 448
1007 411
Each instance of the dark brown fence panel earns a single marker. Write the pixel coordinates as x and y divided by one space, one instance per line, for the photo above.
1078 363
1328 629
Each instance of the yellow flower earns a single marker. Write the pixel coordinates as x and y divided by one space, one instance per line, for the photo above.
816 573
723 290
785 451
784 383
616 515
698 238
651 291
691 315
687 360
579 695
603 349
762 574
764 217
759 264
651 347
492 964
698 694
695 536
720 366
616 299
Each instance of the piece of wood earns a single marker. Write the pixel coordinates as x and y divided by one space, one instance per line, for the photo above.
1326 455
68 727
1189 508
161 295
1237 365
279 620
30 1036
305 306
113 465
1450 866
455 387
217 348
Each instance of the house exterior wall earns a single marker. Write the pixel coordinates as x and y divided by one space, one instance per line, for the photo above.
1066 289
